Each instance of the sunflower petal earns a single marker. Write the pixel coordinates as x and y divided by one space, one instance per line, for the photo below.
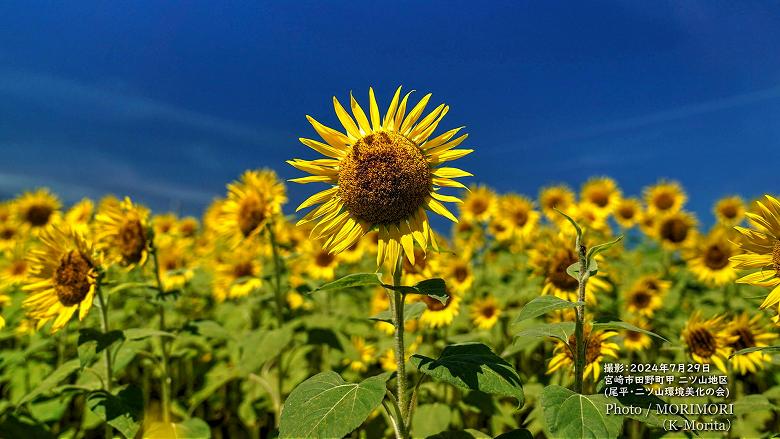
346 119
360 115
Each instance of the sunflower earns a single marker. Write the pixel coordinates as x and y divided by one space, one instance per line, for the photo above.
559 197
364 355
479 205
456 269
761 247
438 314
515 218
387 360
665 197
648 224
637 341
590 217
80 215
38 209
750 334
485 312
597 347
320 263
384 174
628 212
15 268
708 341
63 277
237 273
11 233
251 202
729 211
646 295
709 260
174 259
602 193
676 230
121 231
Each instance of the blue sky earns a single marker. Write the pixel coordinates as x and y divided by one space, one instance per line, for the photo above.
168 101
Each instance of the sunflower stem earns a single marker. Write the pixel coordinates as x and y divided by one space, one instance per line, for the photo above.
279 316
106 352
579 325
398 322
165 389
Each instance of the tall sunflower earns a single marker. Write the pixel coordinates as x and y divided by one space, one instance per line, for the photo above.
251 202
729 211
708 341
38 209
63 277
602 193
761 247
750 333
237 273
384 174
121 231
665 197
596 348
709 260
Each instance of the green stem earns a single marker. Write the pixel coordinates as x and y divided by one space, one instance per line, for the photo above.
579 333
401 430
106 352
398 321
279 316
165 389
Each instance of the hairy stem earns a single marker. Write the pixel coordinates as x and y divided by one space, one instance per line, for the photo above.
579 333
398 320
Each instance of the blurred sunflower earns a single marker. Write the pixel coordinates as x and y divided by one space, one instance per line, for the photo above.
237 273
729 211
676 230
708 341
385 174
761 247
353 253
421 269
637 341
10 234
174 259
485 312
590 217
439 314
479 205
597 347
387 360
456 269
516 217
559 197
647 224
63 277
14 268
121 231
628 212
251 203
363 355
665 197
37 209
709 260
646 295
80 215
320 264
749 333
602 193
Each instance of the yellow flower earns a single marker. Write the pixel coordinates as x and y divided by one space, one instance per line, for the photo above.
63 277
10 234
438 314
676 230
601 193
628 212
515 218
646 295
15 268
761 247
456 270
709 260
479 205
637 341
251 202
121 231
364 355
708 341
729 211
485 312
174 258
590 217
237 273
665 197
750 333
38 209
296 301
556 197
320 264
597 347
648 224
384 174
387 360
80 215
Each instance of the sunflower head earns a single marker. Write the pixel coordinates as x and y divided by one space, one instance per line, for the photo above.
709 259
384 174
479 205
559 197
122 231
749 333
602 193
485 312
37 209
237 273
676 230
665 197
438 314
637 341
252 201
729 211
628 212
597 346
707 340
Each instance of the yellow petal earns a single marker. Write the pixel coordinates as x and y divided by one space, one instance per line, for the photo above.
322 148
329 135
373 110
346 119
317 198
439 208
360 116
415 114
390 115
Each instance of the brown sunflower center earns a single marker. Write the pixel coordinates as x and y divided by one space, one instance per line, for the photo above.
641 299
324 259
18 268
729 211
599 198
72 278
419 262
553 201
385 178
7 233
434 304
633 336
521 218
251 214
746 338
38 214
461 273
131 240
664 201
626 212
243 269
702 342
674 230
479 206
558 276
488 311
716 257
776 257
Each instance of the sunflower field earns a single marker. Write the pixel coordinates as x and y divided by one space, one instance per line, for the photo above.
556 315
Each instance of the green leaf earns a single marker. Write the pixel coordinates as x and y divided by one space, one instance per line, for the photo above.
352 281
473 366
142 333
261 346
91 342
751 404
573 270
574 223
596 249
430 419
51 380
542 305
435 288
326 406
520 433
570 415
193 428
411 312
600 326
122 411
209 329
756 349
216 377
559 330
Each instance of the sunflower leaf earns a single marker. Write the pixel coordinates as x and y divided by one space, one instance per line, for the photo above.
542 305
596 249
352 281
411 312
559 330
576 227
756 349
601 326
122 410
435 288
91 342
51 380
572 415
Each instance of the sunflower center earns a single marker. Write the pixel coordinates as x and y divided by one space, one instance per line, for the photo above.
674 230
599 198
72 278
746 338
729 211
479 206
18 268
384 179
7 233
633 336
488 311
716 257
250 214
461 273
626 212
38 215
132 240
419 262
664 201
243 269
324 259
521 218
641 299
553 201
776 257
434 304
558 275
702 342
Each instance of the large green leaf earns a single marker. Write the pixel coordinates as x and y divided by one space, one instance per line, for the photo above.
91 342
473 366
430 419
352 281
326 406
122 410
596 249
435 288
618 325
570 415
142 333
559 330
261 346
542 305
51 380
